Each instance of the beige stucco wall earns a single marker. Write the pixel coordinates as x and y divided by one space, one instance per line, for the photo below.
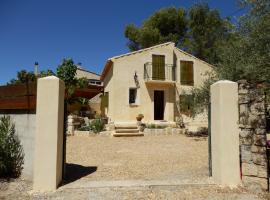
108 83
121 77
200 68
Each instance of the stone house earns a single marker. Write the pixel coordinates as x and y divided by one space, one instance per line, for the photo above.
93 79
150 82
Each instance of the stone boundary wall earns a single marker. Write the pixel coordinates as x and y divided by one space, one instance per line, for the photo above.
253 138
25 125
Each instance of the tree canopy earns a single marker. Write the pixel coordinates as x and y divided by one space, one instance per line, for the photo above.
66 71
199 31
25 76
247 55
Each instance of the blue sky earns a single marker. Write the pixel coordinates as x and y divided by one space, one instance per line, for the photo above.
86 30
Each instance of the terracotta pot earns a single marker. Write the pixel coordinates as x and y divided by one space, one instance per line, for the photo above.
139 119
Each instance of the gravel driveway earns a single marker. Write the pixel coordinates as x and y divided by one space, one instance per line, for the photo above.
132 158
153 167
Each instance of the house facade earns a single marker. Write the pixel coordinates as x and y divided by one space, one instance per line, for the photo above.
150 82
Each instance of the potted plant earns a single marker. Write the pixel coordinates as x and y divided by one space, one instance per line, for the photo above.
140 117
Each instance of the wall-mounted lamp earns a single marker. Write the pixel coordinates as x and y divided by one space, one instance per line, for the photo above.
136 80
135 76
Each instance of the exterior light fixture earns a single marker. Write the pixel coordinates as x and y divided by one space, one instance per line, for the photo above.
136 80
135 76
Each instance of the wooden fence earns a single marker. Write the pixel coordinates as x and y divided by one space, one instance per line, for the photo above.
18 97
23 96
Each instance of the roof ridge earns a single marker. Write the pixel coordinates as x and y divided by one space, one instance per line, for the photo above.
182 51
141 50
86 70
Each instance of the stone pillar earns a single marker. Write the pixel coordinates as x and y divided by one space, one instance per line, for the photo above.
225 133
70 125
252 123
49 134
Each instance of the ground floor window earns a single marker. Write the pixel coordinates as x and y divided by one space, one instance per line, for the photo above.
132 95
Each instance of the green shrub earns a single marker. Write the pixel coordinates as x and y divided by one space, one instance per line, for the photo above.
11 151
155 126
97 125
150 126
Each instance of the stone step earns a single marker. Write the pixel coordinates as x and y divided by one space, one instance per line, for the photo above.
131 123
127 130
127 134
126 127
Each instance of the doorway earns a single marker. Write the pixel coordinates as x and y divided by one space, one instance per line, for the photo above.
158 105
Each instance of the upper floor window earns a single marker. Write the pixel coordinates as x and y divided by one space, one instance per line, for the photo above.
186 73
158 64
95 82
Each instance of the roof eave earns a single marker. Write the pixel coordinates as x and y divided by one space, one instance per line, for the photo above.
106 69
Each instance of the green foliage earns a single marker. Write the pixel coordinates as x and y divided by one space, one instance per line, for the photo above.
67 71
97 125
186 104
168 24
11 151
82 82
199 97
199 31
23 77
83 101
207 31
46 73
246 55
155 126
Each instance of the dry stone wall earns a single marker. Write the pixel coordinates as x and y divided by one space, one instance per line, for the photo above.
253 138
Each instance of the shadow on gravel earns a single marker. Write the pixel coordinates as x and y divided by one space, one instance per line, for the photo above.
75 172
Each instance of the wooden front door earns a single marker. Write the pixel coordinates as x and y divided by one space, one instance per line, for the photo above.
158 67
158 105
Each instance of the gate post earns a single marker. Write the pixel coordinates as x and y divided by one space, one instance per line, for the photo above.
225 133
49 134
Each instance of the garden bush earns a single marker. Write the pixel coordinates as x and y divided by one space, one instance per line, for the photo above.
11 151
97 125
156 126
